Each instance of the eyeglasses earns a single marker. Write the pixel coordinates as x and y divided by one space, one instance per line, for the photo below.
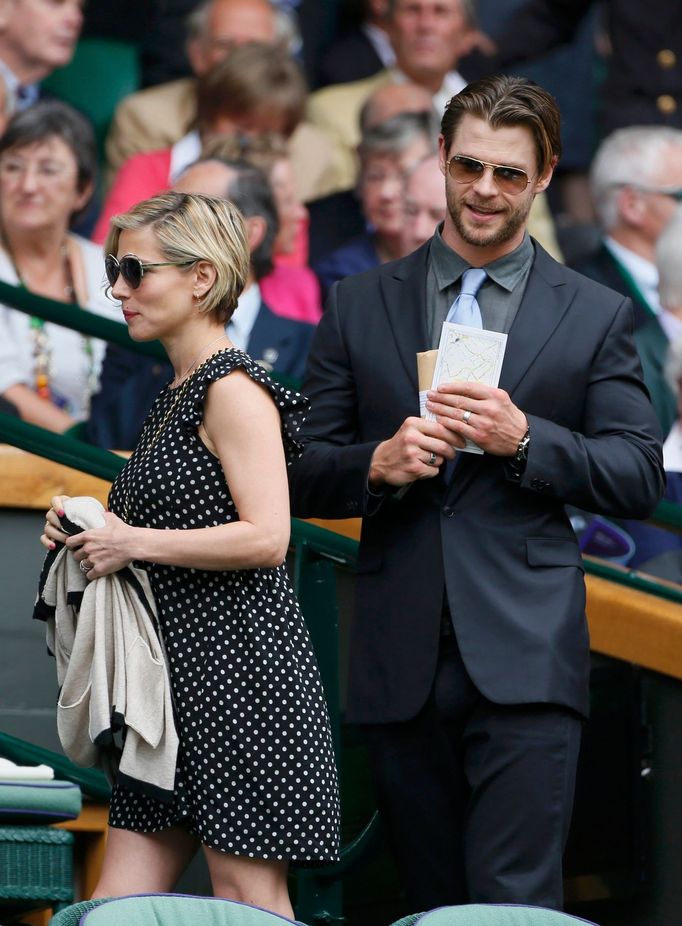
466 170
132 269
675 194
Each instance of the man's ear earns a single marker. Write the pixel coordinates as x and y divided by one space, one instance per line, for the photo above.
195 53
442 154
256 228
631 206
544 180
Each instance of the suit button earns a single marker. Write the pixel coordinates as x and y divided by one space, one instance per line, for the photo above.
536 483
666 104
448 511
666 58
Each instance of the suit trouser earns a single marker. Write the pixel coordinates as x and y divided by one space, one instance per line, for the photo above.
476 797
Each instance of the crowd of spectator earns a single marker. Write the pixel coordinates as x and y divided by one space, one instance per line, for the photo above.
329 146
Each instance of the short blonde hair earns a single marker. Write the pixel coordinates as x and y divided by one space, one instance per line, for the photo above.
261 151
192 227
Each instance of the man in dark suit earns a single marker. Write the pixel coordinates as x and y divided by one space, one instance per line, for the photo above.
36 38
469 649
129 383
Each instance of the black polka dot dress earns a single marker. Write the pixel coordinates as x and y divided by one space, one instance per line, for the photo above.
256 775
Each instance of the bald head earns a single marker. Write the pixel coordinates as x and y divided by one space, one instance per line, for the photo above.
392 100
211 178
218 25
424 203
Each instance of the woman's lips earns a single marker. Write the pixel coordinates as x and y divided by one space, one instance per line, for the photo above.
127 314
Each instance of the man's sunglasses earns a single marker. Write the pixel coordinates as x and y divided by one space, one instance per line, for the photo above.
466 170
132 269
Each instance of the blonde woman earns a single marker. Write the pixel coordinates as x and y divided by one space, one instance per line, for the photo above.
202 505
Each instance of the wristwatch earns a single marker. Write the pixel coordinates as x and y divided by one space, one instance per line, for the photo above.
517 464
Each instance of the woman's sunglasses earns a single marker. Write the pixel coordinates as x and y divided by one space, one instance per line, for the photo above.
508 179
132 269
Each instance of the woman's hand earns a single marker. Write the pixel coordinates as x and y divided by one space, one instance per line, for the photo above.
52 533
104 549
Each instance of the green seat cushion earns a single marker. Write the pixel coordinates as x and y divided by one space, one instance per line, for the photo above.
179 910
492 915
39 802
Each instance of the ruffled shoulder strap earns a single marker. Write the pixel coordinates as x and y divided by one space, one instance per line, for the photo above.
292 406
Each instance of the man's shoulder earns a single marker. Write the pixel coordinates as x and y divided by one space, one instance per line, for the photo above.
175 94
352 90
589 286
404 268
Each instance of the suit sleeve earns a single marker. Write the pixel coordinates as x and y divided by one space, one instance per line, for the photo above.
614 465
330 478
539 26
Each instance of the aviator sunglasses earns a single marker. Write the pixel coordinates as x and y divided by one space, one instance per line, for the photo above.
132 269
466 170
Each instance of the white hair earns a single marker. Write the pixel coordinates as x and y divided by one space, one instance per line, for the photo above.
631 156
669 263
286 28
673 365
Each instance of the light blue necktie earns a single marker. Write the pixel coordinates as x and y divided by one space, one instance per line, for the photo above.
465 310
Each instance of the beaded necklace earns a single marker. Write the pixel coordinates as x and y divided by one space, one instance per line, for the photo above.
42 349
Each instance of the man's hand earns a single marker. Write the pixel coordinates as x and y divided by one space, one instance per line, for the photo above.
416 451
495 424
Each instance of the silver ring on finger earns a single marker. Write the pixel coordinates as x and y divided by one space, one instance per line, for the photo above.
85 566
467 414
432 459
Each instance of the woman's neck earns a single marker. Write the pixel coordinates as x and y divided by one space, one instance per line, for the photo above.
189 350
33 246
43 263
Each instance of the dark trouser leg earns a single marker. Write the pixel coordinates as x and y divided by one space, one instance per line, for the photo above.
476 798
520 764
421 790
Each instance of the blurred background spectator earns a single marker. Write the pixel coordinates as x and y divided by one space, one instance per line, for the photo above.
160 116
364 46
387 152
258 88
36 36
130 383
428 43
424 203
47 174
290 289
635 179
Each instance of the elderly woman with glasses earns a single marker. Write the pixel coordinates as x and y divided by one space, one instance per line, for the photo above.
203 505
47 170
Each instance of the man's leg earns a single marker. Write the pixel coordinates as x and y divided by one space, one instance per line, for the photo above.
420 787
520 763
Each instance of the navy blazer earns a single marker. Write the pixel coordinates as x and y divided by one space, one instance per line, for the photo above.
503 553
129 382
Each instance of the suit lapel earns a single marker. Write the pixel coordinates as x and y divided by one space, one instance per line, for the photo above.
549 292
403 289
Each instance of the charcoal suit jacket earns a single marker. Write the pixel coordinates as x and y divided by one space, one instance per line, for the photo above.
502 553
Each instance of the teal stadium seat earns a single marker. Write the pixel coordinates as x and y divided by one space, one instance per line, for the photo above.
100 74
492 915
166 910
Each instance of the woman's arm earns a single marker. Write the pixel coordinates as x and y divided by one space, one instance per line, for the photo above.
38 411
243 425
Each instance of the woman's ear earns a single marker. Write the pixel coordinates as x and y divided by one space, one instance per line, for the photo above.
204 277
